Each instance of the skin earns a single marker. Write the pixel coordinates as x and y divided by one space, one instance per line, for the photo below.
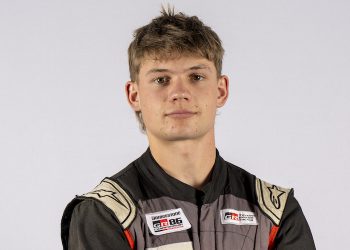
178 99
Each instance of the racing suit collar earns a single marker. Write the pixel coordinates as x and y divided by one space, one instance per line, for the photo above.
165 185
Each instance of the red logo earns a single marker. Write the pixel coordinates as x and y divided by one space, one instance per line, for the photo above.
163 223
231 216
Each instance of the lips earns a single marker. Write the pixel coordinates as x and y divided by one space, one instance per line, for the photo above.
181 113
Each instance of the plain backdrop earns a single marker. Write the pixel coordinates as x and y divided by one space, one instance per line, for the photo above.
65 122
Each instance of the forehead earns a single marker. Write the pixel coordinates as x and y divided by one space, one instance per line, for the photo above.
176 63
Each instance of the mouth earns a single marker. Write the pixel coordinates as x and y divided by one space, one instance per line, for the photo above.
181 114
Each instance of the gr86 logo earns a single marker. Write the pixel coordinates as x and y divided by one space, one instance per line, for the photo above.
168 221
167 224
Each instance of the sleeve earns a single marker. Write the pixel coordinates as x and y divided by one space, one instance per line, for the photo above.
294 232
92 226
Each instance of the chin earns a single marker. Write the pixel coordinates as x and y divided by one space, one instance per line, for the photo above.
180 135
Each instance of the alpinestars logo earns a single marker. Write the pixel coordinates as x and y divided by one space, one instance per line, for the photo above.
232 216
168 221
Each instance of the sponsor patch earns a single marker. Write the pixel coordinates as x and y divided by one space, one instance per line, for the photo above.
168 221
275 195
231 216
272 199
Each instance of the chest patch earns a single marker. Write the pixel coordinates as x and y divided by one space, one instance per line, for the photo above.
232 216
168 221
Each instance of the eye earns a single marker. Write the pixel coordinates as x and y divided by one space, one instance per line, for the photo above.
196 77
161 80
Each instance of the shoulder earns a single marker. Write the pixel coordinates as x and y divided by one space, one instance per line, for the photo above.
92 224
290 228
270 198
112 194
107 201
115 199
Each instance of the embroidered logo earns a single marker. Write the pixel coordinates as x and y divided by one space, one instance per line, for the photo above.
168 221
275 195
232 216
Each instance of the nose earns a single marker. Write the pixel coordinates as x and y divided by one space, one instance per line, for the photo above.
179 91
179 96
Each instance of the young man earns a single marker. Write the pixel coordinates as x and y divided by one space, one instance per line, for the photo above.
180 194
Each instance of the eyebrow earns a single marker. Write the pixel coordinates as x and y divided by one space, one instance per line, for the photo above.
196 67
200 66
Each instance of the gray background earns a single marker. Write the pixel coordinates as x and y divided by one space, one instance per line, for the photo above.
65 123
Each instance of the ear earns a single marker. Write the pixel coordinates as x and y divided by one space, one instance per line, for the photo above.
132 93
223 86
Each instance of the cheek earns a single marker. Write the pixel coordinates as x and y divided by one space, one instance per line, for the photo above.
151 95
145 98
210 103
151 102
151 106
210 98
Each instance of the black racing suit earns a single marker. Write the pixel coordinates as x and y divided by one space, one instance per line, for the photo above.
142 207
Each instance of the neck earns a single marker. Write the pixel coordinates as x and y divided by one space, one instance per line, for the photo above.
189 161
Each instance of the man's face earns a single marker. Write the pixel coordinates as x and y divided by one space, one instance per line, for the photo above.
178 97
